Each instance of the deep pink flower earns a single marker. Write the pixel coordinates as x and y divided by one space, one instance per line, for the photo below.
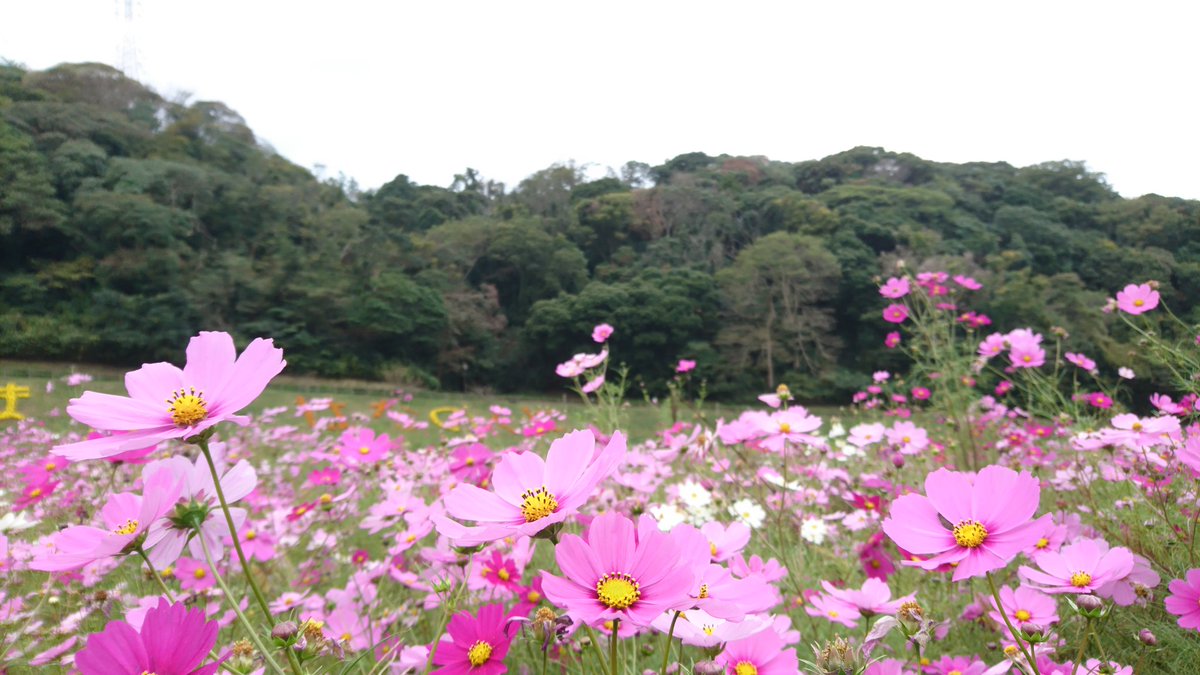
601 333
762 654
895 287
892 340
1137 299
895 313
194 575
1184 601
532 494
165 402
619 572
475 645
1080 567
173 641
1100 400
988 517
34 493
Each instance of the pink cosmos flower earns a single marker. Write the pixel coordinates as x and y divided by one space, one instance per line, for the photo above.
685 366
1080 567
962 665
873 598
832 609
895 313
1025 605
173 641
350 627
601 333
1081 361
992 345
762 654
1100 400
471 462
619 572
1137 299
475 645
725 541
194 575
127 518
200 493
921 393
1184 601
165 402
967 282
892 340
988 515
908 437
1027 356
532 494
594 384
701 629
580 363
895 287
362 446
786 426
34 493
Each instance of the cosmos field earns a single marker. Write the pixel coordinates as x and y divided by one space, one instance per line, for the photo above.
999 505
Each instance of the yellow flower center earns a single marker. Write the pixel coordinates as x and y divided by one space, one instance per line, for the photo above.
785 428
534 596
1043 542
1081 579
1022 615
346 637
1137 426
1139 302
617 591
712 549
954 672
708 630
537 504
833 614
970 534
1027 358
503 574
703 591
35 492
1011 651
364 450
410 538
745 668
470 461
250 535
326 498
168 572
907 439
129 527
187 407
199 573
479 653
50 466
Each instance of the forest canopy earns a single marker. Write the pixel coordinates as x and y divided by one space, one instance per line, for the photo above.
129 222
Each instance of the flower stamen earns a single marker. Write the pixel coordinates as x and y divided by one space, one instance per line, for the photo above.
617 591
537 504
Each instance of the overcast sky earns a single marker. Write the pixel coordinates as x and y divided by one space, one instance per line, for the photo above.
374 89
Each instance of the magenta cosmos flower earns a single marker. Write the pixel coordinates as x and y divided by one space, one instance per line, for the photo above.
475 645
532 494
622 572
173 641
1184 601
1137 299
127 518
895 313
975 523
165 402
1081 567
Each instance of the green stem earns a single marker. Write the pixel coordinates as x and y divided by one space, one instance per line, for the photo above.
612 647
162 584
1087 633
1013 631
254 637
596 645
667 648
237 545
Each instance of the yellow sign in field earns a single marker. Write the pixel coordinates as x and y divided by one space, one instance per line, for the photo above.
10 393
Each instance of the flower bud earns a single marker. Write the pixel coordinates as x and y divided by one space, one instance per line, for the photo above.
1089 603
704 668
285 631
1147 638
898 461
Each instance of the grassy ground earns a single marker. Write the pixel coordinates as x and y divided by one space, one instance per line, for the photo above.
641 419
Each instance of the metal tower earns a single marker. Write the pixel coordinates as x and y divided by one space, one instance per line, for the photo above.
127 56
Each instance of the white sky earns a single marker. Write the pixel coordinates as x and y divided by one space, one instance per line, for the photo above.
374 88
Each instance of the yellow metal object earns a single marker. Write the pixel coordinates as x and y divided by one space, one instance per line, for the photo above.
10 393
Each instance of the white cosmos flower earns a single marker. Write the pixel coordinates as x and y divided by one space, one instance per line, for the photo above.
694 495
813 530
14 522
748 512
668 516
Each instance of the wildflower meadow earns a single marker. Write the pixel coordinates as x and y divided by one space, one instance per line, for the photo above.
997 505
